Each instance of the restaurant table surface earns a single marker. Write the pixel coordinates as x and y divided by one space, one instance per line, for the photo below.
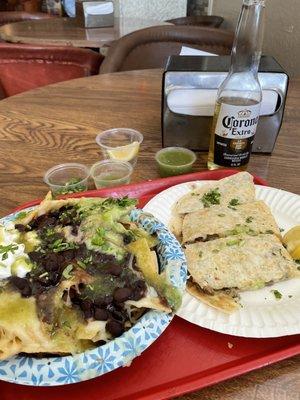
66 31
58 123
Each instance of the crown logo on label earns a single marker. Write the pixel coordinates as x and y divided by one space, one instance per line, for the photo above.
244 114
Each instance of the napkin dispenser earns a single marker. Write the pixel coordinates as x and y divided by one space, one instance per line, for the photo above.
189 88
95 14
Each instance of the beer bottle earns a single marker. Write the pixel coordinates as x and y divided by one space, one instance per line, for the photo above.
239 96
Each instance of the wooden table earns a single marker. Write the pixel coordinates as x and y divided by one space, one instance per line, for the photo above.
58 123
66 32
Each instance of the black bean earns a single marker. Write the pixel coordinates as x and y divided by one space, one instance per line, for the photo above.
21 228
81 252
87 308
104 301
67 255
127 239
35 256
22 285
74 230
101 314
115 328
118 315
122 294
50 263
139 289
112 269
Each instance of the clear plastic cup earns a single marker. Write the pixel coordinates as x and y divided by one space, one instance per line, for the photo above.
175 161
67 178
109 173
120 144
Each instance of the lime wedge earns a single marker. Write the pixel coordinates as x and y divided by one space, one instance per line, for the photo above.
124 153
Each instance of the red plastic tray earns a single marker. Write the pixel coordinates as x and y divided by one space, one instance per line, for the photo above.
185 358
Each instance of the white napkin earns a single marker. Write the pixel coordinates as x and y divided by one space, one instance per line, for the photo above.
201 102
188 51
98 8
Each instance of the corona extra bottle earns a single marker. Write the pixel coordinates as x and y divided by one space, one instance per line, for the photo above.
239 96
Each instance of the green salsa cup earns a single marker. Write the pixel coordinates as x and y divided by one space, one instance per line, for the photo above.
175 161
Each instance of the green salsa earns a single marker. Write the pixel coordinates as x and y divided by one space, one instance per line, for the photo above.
175 161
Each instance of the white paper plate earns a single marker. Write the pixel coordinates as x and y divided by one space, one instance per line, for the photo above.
262 315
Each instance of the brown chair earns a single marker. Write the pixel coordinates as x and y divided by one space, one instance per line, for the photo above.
151 47
7 17
212 21
24 67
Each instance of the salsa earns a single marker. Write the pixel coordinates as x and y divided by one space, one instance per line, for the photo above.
175 161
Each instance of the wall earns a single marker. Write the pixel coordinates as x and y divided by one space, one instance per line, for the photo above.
282 32
159 10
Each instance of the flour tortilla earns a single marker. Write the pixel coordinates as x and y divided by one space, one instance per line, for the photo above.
239 262
253 217
239 186
220 300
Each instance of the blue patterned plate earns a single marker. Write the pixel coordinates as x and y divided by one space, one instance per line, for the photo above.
120 351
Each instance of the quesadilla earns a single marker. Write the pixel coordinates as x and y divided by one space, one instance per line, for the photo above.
241 262
73 276
230 191
213 223
231 241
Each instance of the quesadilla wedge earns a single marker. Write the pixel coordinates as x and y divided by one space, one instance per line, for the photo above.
239 262
230 191
72 276
213 223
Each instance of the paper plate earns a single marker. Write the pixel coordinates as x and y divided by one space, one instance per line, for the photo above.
53 371
262 315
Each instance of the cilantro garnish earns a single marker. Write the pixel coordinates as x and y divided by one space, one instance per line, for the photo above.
10 248
234 202
21 215
60 245
99 238
249 220
211 198
277 294
66 272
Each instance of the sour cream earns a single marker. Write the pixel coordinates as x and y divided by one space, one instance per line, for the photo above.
13 259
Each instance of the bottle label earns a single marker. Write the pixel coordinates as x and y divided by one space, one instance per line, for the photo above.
234 134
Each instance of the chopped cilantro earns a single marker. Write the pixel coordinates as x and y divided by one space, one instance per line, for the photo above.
281 229
277 294
269 231
290 296
221 215
249 220
21 214
200 254
5 249
81 264
99 238
234 202
121 202
66 272
297 261
60 245
211 198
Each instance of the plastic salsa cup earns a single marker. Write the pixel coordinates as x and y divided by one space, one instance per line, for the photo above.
109 173
174 161
67 178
